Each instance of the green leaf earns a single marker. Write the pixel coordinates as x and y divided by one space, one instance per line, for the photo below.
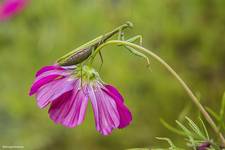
171 128
188 133
213 113
172 146
195 128
166 139
205 130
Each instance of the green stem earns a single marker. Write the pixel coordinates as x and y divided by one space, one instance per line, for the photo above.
183 84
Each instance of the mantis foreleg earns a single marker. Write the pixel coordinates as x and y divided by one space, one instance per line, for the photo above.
100 54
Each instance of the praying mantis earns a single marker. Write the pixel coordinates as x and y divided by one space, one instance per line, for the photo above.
83 53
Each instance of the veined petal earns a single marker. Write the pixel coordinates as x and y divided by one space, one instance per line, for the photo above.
45 78
39 83
53 90
105 110
70 112
53 72
115 93
48 68
125 114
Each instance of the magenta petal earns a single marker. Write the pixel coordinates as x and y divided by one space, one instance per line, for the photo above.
41 82
52 72
125 114
11 7
53 90
114 92
69 111
45 78
105 110
47 68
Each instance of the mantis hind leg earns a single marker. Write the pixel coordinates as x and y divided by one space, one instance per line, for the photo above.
137 53
135 38
134 51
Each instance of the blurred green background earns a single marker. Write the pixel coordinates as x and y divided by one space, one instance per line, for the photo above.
189 35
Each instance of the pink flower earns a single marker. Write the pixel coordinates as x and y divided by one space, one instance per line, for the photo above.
8 8
204 146
68 94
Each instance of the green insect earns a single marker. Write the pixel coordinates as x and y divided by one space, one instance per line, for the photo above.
82 53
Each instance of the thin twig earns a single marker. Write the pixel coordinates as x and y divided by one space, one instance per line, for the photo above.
184 85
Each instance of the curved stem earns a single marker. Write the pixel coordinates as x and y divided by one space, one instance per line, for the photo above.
184 85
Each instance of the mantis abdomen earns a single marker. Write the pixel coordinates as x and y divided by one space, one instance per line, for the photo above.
77 57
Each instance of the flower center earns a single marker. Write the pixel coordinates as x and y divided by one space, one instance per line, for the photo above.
86 73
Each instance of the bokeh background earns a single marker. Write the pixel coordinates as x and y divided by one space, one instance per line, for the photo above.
189 35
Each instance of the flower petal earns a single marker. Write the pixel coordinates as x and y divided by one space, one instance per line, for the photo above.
125 114
70 112
114 92
10 8
47 68
45 78
53 90
105 110
37 84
